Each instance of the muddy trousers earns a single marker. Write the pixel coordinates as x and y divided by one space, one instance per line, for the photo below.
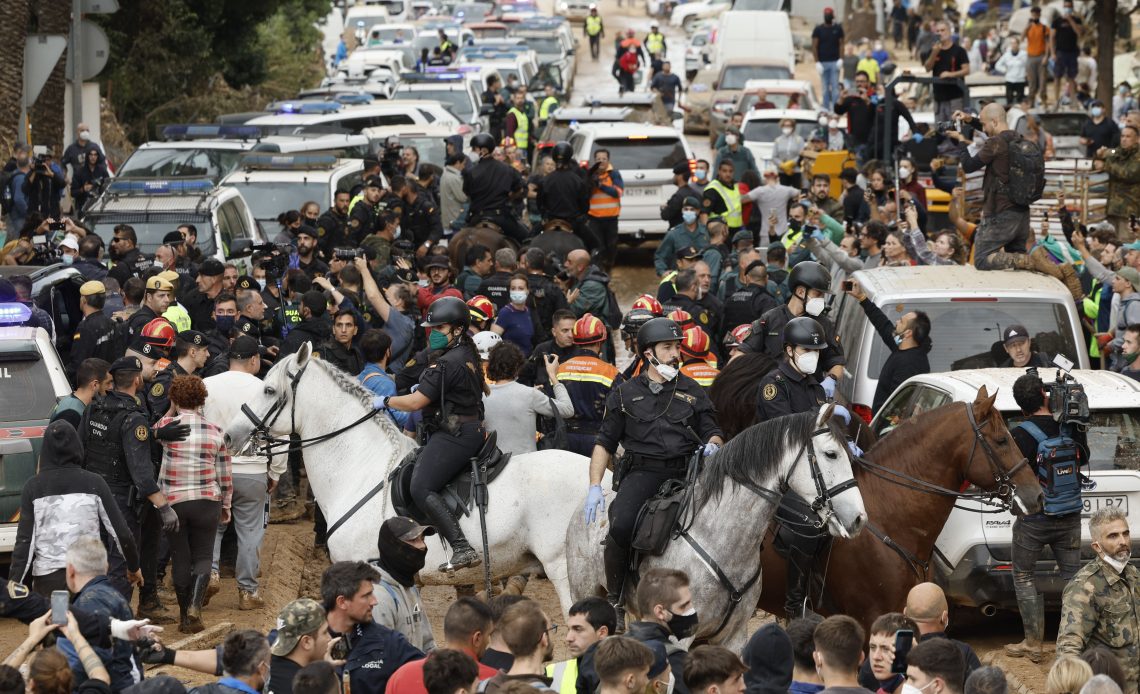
1000 238
1062 534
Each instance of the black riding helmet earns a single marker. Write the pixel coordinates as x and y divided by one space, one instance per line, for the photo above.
809 274
562 153
483 141
448 310
637 317
658 330
804 332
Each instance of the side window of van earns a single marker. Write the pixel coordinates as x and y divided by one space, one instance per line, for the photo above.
895 410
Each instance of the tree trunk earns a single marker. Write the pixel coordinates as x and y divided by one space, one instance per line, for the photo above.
1105 38
46 115
13 32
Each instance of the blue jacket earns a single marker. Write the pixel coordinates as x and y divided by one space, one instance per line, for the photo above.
380 382
100 597
375 652
676 238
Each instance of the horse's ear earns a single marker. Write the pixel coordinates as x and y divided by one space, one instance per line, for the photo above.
824 415
304 353
984 402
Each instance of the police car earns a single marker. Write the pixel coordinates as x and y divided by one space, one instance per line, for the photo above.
429 140
293 117
32 381
452 89
154 207
272 183
972 558
191 151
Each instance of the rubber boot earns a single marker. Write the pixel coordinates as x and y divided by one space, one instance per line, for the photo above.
463 555
1033 621
214 587
192 621
150 607
616 565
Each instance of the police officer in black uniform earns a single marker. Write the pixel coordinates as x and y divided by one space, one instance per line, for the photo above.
792 387
332 225
661 417
450 392
420 220
96 335
491 186
191 352
565 194
809 284
117 440
362 214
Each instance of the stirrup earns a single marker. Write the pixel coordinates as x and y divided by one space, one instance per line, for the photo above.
463 557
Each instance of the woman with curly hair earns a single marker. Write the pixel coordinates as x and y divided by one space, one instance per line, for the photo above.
511 407
195 477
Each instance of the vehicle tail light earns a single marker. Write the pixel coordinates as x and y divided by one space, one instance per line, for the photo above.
463 129
1003 567
862 411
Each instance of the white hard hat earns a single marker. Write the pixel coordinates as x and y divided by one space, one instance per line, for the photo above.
485 341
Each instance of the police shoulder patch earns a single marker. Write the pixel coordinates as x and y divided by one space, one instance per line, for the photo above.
354 223
769 392
703 317
157 390
685 397
410 363
17 591
141 433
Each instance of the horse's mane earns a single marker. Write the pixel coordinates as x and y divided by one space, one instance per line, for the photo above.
348 383
755 453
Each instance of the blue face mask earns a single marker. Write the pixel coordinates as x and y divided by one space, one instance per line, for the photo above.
689 216
437 340
225 324
67 259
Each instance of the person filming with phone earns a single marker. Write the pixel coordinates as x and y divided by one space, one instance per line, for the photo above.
908 340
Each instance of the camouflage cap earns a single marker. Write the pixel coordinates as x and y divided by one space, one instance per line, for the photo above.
301 617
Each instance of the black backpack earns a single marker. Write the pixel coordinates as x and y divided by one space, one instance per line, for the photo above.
1026 172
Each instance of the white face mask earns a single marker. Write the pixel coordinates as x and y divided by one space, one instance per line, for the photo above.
833 124
823 120
730 139
518 297
815 306
424 282
667 371
84 135
786 131
904 172
806 362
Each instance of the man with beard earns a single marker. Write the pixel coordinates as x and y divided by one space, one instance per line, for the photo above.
398 602
1099 604
307 259
332 225
374 650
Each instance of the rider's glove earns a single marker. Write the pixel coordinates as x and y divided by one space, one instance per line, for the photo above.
856 452
710 448
595 503
380 402
828 386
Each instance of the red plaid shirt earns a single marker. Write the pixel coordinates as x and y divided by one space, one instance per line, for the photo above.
197 467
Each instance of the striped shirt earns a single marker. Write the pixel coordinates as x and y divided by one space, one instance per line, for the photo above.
198 467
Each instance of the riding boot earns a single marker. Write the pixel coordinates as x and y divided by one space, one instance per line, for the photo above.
1033 621
796 592
616 565
463 555
192 618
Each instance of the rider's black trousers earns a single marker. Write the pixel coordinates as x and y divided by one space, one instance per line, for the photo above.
444 457
638 486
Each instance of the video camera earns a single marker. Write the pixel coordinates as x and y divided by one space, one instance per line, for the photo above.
1068 402
348 254
275 260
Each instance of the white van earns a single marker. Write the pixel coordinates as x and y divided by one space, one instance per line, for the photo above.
968 311
754 35
273 183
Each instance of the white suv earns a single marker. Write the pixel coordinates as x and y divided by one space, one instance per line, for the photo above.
972 558
644 155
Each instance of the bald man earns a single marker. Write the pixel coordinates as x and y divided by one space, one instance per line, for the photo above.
587 289
1000 239
926 605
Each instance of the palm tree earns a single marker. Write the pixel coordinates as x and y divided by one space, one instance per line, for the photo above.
13 32
46 115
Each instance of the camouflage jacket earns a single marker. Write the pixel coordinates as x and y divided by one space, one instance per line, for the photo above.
1123 168
1099 608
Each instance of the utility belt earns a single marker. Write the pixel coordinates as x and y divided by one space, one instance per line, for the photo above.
573 427
632 461
448 424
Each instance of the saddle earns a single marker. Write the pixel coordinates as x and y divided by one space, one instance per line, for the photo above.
487 224
459 493
557 224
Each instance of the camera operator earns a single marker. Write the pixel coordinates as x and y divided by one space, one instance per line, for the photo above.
89 175
44 186
1056 450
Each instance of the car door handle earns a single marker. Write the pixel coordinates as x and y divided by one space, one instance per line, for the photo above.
639 176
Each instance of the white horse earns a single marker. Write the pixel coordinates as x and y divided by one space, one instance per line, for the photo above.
735 499
531 503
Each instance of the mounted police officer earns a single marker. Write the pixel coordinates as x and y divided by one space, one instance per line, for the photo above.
565 194
660 417
792 387
491 186
809 284
450 392
116 443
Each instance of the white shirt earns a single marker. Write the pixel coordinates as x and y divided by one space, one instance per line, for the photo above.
228 392
1013 65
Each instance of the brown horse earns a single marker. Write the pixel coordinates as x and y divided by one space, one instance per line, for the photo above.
486 233
944 448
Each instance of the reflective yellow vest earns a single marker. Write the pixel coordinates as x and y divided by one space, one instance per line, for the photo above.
593 25
522 128
548 104
733 208
655 43
564 676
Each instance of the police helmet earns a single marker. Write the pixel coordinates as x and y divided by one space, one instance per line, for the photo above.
448 310
562 153
658 330
483 141
809 274
633 320
804 332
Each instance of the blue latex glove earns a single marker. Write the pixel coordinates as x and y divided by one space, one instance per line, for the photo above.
595 503
842 412
380 402
856 452
828 386
819 235
916 138
711 448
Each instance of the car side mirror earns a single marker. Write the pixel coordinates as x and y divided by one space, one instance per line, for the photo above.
240 247
716 85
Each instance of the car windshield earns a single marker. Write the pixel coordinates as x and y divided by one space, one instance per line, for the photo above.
26 392
635 153
1062 124
365 19
430 148
701 39
186 162
472 11
1113 437
736 75
156 225
967 334
268 199
458 101
547 47
769 130
780 99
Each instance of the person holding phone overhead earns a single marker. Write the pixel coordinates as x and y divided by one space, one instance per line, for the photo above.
908 339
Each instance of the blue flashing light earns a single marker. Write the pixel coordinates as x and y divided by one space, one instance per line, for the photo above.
305 107
14 313
160 186
450 76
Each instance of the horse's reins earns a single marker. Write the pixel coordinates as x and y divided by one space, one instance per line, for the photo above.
821 505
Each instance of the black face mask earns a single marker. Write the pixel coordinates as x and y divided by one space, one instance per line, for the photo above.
398 558
683 625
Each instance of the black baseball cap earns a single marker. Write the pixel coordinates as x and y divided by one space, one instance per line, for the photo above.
172 238
681 168
247 282
211 267
1014 333
244 347
193 337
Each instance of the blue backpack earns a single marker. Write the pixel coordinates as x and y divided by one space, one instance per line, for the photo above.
1058 466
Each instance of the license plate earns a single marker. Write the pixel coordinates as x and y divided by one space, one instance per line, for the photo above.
1095 502
642 193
